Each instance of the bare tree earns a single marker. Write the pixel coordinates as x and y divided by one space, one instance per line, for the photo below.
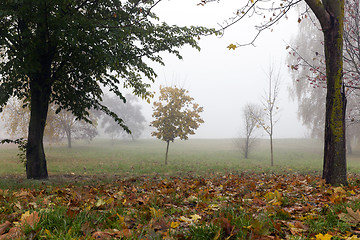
251 113
269 100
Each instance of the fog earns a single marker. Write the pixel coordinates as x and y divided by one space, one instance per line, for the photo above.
223 80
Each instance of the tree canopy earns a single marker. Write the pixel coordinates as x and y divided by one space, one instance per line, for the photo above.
64 51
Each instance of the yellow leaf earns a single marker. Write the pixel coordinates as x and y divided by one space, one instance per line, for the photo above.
252 1
353 237
195 217
185 219
339 190
174 224
100 203
352 192
156 213
231 46
320 236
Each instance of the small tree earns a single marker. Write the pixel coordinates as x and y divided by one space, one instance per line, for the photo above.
176 115
251 113
270 108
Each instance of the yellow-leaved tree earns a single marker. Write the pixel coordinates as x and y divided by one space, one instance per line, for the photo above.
58 125
176 115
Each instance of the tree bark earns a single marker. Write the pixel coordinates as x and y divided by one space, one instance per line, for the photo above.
35 156
330 14
68 135
167 150
334 170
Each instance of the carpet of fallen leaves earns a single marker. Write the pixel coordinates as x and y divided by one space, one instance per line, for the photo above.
231 206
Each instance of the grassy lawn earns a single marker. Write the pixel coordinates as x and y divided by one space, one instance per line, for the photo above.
122 190
196 156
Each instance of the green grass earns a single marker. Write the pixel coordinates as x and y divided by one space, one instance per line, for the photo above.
147 157
194 157
199 156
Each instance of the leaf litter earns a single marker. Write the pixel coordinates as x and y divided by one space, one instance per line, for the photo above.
220 206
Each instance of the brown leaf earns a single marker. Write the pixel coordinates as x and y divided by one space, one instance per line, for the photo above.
30 219
102 235
4 226
14 233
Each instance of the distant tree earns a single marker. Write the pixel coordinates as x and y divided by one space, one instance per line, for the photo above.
130 113
72 128
251 113
61 125
176 115
64 51
269 101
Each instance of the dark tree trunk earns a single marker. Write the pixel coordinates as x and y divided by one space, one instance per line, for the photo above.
334 170
35 156
330 14
167 151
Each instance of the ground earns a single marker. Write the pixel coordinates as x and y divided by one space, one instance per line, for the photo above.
226 201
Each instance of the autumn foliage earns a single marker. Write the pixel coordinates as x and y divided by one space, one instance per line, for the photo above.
220 206
176 115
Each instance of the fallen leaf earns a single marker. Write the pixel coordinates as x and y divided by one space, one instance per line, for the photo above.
174 224
320 236
4 226
14 233
30 219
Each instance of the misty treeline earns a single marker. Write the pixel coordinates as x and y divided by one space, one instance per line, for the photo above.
306 63
66 126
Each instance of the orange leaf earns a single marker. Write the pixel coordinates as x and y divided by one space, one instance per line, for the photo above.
29 219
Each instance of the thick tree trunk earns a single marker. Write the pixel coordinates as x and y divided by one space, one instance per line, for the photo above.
35 156
334 170
330 14
167 151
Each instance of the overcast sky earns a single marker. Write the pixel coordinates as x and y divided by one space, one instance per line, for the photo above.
223 80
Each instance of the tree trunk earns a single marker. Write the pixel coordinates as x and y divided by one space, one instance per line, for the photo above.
334 170
330 14
35 156
271 150
246 152
68 135
167 150
348 147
